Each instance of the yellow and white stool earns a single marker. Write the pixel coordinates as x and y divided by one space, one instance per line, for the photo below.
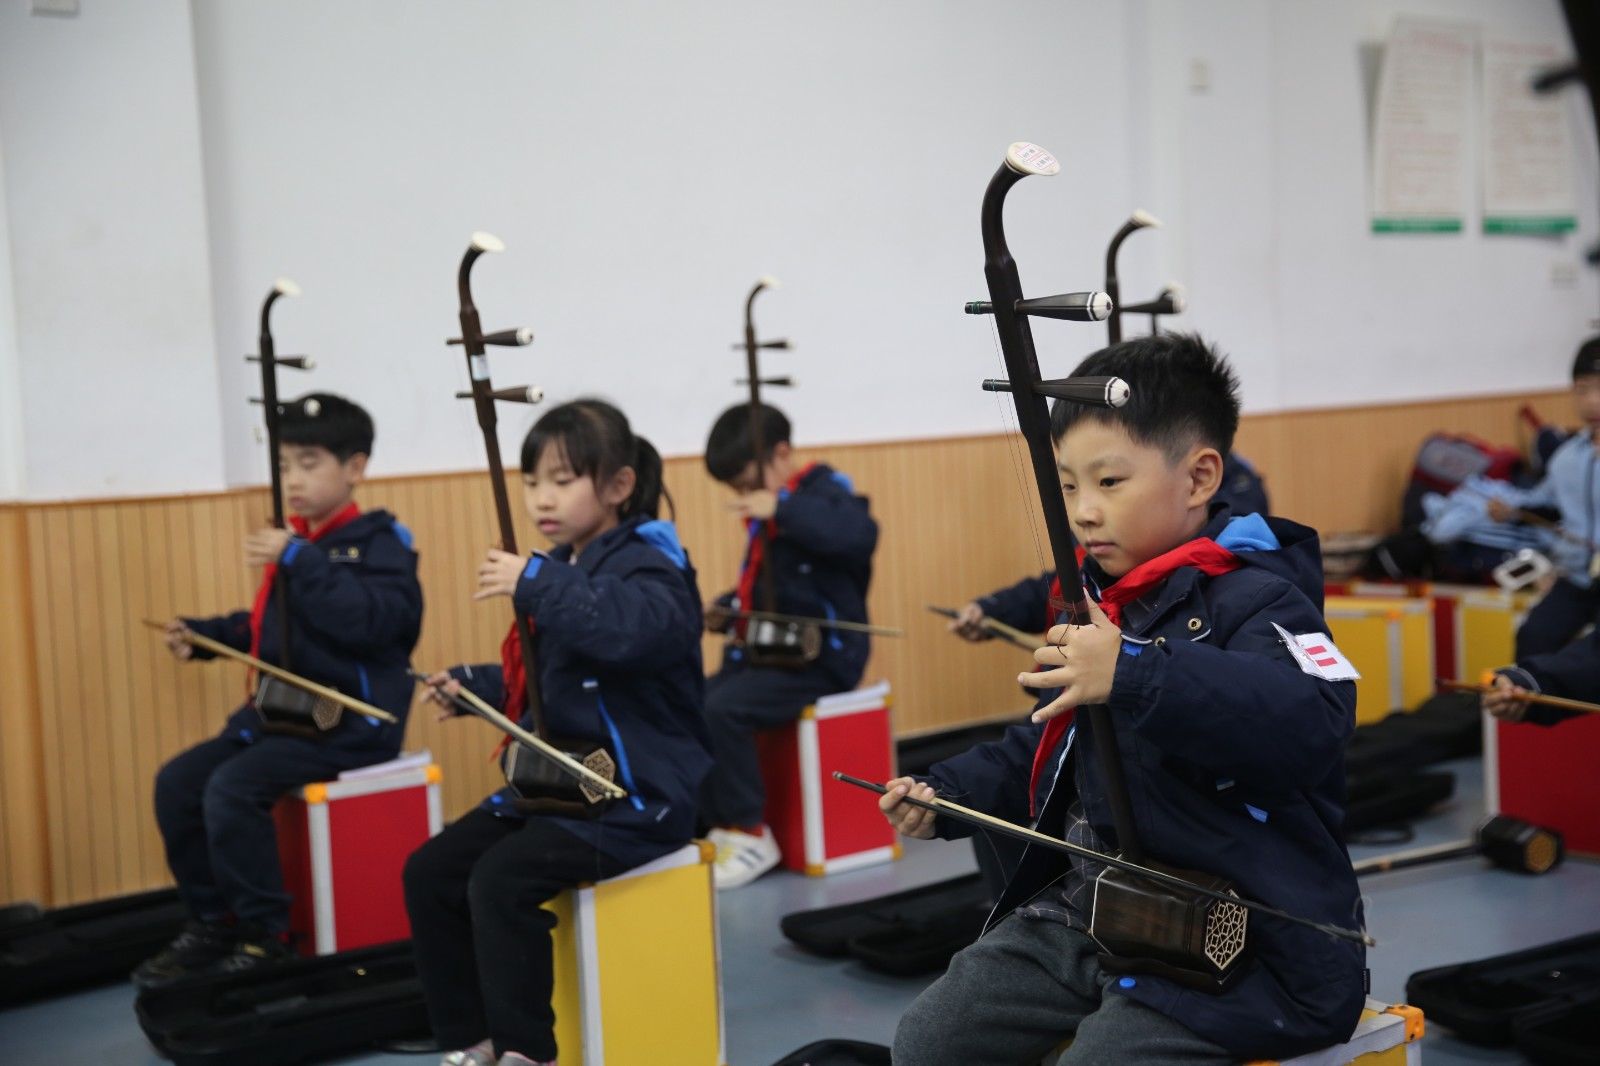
1390 640
638 968
1386 1036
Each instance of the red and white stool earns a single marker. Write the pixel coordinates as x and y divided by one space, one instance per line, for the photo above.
343 845
822 825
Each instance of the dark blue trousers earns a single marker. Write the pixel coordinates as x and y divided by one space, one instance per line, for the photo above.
214 806
740 703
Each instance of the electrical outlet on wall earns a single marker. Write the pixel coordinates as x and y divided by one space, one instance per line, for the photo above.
1563 275
1199 76
64 8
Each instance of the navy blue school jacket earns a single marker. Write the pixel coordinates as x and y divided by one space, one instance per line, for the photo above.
822 560
1234 761
355 609
619 664
1572 672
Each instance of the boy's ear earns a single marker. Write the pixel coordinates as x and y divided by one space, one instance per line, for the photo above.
355 467
781 450
1205 475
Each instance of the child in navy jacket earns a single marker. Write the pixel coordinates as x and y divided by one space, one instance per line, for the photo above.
617 619
812 538
1231 742
355 609
1573 672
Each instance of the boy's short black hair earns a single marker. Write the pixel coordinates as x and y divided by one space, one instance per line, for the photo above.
728 446
1587 361
1183 394
323 420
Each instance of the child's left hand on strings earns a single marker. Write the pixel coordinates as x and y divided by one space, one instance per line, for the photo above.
498 574
265 545
1082 662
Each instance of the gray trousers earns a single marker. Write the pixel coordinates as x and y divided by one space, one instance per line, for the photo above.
1025 987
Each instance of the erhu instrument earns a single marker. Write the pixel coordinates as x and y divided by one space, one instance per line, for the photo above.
540 784
1140 219
767 639
995 627
1487 686
283 709
1185 925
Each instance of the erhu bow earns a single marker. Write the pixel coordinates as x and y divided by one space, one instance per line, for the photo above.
541 784
1147 917
1140 219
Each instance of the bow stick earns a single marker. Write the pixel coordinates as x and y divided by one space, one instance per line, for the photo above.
270 361
1562 702
1009 634
468 701
940 805
473 341
217 648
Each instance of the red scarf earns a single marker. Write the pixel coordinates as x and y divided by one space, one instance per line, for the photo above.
515 676
761 531
301 528
1202 553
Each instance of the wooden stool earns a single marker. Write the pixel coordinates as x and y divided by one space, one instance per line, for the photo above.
638 969
343 844
821 825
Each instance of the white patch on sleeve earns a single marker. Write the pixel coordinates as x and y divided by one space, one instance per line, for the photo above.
1318 656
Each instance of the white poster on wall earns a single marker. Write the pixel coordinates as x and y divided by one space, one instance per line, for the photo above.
1421 126
1527 142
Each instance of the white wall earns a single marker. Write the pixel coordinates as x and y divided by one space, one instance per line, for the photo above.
11 456
111 285
646 162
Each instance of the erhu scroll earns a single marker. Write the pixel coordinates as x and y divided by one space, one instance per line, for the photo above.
542 784
1140 219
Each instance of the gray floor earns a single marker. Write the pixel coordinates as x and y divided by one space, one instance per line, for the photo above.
779 999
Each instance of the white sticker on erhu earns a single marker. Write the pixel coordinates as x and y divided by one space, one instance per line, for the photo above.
1318 656
1032 159
479 367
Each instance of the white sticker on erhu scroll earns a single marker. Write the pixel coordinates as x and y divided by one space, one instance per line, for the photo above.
480 367
1031 159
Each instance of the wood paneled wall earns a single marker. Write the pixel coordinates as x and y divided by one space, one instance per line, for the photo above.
92 704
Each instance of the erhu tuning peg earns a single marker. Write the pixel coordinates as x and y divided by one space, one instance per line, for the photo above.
512 394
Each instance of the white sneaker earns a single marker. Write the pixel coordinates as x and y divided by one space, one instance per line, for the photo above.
742 857
480 1054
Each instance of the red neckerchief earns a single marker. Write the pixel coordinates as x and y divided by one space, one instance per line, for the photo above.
1202 553
761 532
515 676
301 528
